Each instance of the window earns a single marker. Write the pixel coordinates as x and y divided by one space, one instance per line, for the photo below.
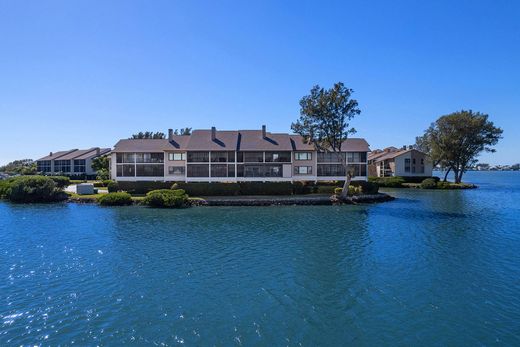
62 166
422 161
358 169
150 170
222 157
43 166
125 158
197 170
357 157
303 170
413 161
176 170
149 157
254 157
198 157
303 156
176 156
278 157
260 171
125 170
331 170
218 170
407 165
79 165
330 157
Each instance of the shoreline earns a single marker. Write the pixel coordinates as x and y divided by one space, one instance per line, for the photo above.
290 200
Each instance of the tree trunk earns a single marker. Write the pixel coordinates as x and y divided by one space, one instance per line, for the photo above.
344 193
458 179
446 176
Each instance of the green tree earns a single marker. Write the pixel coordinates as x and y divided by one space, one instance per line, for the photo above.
148 135
101 164
324 121
183 131
22 167
457 139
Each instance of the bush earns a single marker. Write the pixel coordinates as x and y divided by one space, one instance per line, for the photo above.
418 179
389 182
304 187
61 181
98 184
443 185
208 189
366 187
4 187
266 188
325 189
33 189
338 190
166 198
142 187
113 187
115 199
429 183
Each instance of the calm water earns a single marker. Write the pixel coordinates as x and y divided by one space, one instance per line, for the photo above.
431 268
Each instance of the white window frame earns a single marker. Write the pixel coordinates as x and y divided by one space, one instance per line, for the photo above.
171 156
298 155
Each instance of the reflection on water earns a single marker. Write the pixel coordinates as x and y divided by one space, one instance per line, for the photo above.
431 267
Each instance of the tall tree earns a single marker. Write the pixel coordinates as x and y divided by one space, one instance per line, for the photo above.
183 131
148 135
101 164
457 139
324 121
22 167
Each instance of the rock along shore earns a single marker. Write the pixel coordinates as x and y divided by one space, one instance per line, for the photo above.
292 200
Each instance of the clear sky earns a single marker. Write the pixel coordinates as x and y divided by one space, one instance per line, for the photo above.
78 74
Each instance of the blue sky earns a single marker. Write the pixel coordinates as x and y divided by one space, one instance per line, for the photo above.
77 74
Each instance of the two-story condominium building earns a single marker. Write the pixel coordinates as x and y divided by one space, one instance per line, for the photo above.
230 156
404 162
71 163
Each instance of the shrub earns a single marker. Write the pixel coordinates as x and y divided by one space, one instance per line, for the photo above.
266 188
166 198
389 182
4 187
208 189
115 199
98 184
34 189
142 187
429 183
113 187
325 189
304 187
338 190
418 179
106 182
61 181
366 187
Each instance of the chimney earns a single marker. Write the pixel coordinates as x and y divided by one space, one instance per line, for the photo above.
50 154
213 133
98 151
264 133
170 135
404 147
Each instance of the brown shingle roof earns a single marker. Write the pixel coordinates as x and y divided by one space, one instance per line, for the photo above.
252 140
93 153
200 140
355 145
57 155
143 145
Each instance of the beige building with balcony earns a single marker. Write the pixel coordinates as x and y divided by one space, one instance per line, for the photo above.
404 162
234 155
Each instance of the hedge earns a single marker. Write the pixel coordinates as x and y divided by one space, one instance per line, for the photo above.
33 189
112 187
115 199
142 187
390 182
209 189
166 198
366 187
429 183
61 181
